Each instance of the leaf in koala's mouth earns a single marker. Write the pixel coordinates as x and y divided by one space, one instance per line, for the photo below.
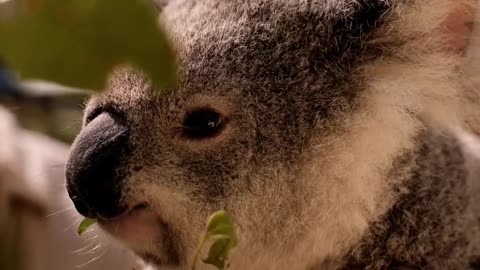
84 225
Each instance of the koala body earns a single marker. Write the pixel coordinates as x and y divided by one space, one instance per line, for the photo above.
335 132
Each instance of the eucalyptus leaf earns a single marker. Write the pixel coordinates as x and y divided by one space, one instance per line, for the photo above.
84 225
220 223
221 232
217 253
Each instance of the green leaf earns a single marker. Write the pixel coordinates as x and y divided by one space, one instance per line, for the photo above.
79 42
220 230
85 224
217 252
221 224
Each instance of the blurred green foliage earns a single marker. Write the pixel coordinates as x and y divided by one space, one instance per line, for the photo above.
78 42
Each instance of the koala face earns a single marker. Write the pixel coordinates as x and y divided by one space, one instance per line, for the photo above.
275 119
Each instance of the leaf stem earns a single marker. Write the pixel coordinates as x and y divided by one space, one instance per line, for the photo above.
198 250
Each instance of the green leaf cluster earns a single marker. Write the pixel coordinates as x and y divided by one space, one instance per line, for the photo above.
78 42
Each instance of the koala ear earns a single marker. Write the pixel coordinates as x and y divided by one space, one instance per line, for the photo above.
446 20
459 26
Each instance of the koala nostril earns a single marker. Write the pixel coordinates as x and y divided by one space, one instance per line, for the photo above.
93 177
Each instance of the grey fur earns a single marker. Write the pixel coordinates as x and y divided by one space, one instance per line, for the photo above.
294 80
432 225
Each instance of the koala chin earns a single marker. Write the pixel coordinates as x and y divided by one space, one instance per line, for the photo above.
337 134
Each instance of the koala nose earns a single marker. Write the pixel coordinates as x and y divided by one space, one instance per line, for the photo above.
93 178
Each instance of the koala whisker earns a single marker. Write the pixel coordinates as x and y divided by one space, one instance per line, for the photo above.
92 260
60 211
87 246
75 222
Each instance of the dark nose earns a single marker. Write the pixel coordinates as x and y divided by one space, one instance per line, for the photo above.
93 171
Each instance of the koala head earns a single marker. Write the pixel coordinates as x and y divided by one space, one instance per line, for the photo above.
287 114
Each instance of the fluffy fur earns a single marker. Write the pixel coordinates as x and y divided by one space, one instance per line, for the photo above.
341 150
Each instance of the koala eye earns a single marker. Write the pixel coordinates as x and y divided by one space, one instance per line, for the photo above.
202 124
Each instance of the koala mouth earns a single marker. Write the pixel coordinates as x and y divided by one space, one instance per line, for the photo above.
141 229
134 226
126 214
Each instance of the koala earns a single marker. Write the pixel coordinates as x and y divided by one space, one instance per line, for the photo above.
338 134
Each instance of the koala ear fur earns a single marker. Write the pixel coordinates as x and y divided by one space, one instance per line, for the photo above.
459 24
399 20
444 19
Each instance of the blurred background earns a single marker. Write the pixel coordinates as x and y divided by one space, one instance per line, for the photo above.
45 107
38 121
41 106
38 223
